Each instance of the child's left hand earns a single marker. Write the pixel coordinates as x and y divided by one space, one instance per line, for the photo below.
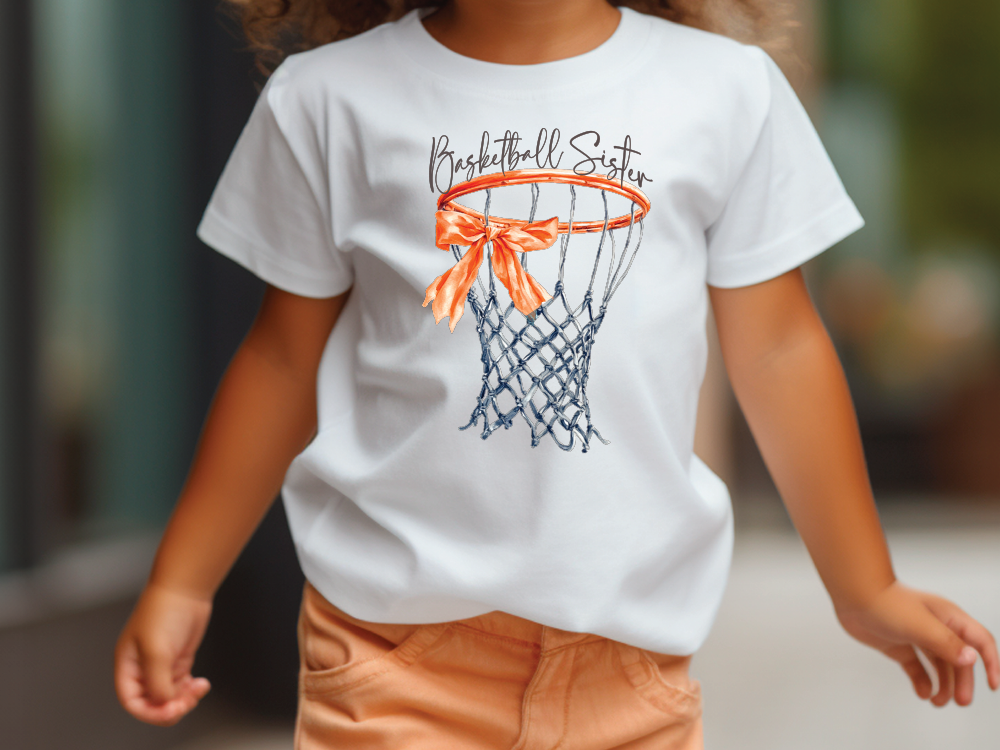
900 619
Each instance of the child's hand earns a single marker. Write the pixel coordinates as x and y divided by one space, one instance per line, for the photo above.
901 619
155 653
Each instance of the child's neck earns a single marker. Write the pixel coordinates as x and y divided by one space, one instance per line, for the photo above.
522 32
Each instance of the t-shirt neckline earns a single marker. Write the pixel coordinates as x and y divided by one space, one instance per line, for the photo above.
410 37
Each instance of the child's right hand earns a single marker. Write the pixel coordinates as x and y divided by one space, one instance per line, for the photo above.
155 653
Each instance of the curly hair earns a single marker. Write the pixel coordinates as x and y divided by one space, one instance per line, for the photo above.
275 29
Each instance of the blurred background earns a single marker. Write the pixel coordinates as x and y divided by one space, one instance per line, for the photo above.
116 118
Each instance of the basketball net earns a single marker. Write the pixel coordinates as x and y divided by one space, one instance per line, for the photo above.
536 363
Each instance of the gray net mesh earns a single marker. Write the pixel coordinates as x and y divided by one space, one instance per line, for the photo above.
536 367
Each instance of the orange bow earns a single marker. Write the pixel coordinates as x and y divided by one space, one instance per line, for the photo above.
450 289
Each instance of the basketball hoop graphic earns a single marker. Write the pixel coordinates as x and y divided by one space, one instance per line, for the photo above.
536 346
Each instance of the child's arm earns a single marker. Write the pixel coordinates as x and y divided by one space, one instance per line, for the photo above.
263 415
790 385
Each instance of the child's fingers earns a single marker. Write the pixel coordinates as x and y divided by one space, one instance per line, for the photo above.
970 631
157 672
128 676
189 693
907 658
991 660
934 637
131 688
194 690
965 678
200 686
946 682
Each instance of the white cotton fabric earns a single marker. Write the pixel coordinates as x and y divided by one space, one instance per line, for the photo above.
399 516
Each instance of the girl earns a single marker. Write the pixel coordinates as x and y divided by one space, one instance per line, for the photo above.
542 585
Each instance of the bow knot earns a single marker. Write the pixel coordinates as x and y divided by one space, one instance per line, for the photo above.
449 290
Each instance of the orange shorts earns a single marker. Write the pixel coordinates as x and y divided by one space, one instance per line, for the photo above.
493 682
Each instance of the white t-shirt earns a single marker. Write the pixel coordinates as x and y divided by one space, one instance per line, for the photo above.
588 510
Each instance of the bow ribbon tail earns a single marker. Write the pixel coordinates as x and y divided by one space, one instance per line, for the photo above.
449 290
525 292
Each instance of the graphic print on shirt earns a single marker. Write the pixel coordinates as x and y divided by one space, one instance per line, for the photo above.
536 329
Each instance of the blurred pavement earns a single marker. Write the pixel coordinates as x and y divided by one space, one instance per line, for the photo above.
245 738
778 673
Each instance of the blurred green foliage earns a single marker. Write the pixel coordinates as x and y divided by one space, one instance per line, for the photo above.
940 64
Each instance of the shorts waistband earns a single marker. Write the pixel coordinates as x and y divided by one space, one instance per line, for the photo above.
496 623
507 625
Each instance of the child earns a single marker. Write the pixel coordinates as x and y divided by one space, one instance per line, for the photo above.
544 584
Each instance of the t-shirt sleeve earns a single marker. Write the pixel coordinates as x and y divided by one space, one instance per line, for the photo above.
270 210
788 203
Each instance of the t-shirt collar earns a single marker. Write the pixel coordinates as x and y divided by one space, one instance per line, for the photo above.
410 37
